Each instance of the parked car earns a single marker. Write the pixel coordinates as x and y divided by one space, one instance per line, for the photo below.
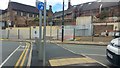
113 51
117 34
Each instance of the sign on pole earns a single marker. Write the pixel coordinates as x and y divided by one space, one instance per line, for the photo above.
40 6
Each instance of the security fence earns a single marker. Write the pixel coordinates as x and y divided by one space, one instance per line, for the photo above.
27 32
82 33
70 32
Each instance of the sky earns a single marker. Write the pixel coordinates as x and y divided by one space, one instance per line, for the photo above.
56 4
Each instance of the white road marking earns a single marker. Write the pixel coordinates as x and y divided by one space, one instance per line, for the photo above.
83 55
9 56
96 61
20 49
23 46
66 49
95 55
30 57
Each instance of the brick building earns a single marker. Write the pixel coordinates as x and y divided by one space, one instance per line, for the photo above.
90 9
106 15
21 15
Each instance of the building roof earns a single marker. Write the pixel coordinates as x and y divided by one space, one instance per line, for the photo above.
68 11
2 11
23 7
96 5
87 6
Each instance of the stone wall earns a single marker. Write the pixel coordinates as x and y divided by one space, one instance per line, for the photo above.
95 39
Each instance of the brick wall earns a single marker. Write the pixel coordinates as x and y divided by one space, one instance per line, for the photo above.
102 28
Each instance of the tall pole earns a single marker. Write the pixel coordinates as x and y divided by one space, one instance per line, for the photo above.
92 28
40 51
40 35
63 23
44 34
51 31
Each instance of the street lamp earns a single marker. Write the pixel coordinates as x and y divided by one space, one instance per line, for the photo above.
63 23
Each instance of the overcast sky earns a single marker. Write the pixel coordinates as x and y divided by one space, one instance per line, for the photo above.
56 4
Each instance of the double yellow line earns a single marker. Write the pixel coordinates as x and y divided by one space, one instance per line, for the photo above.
22 57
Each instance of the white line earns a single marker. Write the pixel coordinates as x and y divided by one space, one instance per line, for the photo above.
79 53
30 57
96 61
9 56
95 54
67 49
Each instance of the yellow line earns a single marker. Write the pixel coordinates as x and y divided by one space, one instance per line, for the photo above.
24 57
3 39
20 58
30 56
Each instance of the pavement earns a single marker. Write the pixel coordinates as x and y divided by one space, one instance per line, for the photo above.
35 60
58 56
64 42
80 42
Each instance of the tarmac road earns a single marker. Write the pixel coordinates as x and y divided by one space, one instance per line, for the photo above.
11 53
55 53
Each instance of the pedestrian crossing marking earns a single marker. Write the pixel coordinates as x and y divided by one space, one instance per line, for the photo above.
70 61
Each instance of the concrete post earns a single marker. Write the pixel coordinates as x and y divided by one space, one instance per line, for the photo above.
40 51
8 34
44 34
18 33
30 32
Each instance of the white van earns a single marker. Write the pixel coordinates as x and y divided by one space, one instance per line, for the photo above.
113 51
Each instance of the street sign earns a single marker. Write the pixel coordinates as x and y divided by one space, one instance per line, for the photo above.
40 6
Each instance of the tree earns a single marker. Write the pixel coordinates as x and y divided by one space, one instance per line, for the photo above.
36 19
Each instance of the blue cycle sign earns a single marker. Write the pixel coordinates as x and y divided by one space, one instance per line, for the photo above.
40 6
